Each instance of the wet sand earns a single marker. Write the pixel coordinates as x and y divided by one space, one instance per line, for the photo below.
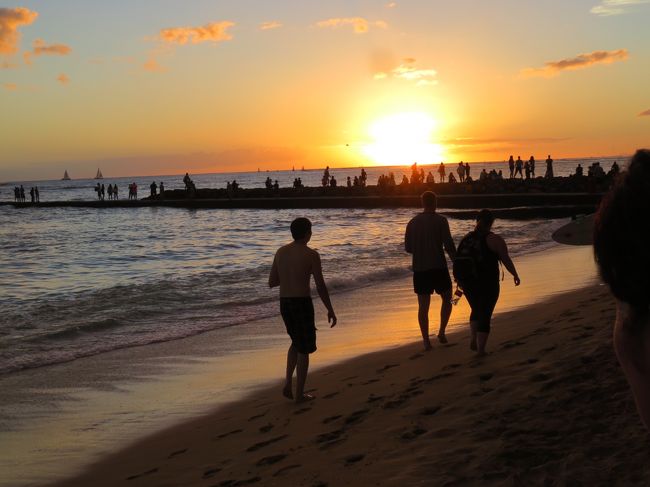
548 406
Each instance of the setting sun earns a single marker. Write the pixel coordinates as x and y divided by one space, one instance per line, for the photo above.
403 138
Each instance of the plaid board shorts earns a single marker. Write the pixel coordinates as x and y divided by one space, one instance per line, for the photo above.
298 316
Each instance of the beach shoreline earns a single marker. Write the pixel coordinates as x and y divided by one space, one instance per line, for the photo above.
548 404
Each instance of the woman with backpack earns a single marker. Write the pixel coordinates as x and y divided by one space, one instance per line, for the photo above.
476 268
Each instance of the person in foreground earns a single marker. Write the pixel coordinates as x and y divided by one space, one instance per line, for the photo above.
426 235
486 250
621 250
293 266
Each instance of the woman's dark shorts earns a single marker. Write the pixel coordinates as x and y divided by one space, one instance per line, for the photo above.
482 298
426 282
298 316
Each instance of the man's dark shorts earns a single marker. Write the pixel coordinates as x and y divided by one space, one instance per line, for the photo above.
426 282
298 316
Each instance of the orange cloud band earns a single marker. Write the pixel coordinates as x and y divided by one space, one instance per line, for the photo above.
551 68
10 20
213 32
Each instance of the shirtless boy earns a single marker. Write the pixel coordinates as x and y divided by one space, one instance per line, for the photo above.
293 266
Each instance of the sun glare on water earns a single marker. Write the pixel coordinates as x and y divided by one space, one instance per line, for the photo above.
403 138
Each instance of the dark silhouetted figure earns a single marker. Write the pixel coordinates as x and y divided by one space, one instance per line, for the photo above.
519 165
38 194
579 170
531 163
511 166
103 191
110 191
621 236
333 182
98 190
154 189
476 269
426 235
16 194
467 169
276 185
31 194
187 180
162 190
461 171
115 191
527 169
293 266
549 167
442 172
349 182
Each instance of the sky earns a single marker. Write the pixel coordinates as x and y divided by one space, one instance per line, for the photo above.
152 87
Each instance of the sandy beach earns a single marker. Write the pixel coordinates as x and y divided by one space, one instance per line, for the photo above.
548 406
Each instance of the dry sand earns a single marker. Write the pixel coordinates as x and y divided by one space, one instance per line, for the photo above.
548 406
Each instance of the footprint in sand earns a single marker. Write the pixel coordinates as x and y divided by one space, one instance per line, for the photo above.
386 367
211 472
330 395
485 377
451 366
257 416
332 438
331 418
350 378
414 433
273 459
233 432
371 381
548 349
539 377
356 417
512 343
530 361
148 472
354 459
266 428
285 469
372 398
262 444
430 411
237 483
302 411
177 452
416 356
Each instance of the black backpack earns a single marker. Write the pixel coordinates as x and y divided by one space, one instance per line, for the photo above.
469 257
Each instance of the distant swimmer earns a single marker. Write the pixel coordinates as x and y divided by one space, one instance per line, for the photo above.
621 251
476 269
293 266
426 235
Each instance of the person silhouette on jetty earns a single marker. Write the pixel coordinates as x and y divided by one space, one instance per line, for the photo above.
37 193
154 189
531 163
476 269
519 166
621 237
511 166
549 167
442 172
426 235
162 190
115 191
293 266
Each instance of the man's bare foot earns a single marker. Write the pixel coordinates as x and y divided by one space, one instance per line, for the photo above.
442 338
286 392
304 398
427 345
481 354
472 345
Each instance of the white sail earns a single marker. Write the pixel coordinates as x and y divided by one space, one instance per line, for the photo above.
99 174
65 176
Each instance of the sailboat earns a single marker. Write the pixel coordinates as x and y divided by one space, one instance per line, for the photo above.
99 174
65 176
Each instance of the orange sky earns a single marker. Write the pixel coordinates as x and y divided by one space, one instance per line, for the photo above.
225 86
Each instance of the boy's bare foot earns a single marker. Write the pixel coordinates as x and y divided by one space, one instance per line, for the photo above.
286 392
472 345
304 398
427 345
442 338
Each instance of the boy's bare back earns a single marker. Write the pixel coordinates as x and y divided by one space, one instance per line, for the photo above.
294 265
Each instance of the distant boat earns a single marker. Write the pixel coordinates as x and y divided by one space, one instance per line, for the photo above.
65 176
99 175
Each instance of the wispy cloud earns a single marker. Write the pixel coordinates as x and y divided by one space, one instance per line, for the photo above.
391 5
39 48
10 86
615 7
153 66
63 79
552 68
645 113
10 20
410 72
359 24
271 24
212 32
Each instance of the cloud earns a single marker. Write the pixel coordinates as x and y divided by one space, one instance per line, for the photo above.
272 24
63 79
10 86
614 7
359 24
39 48
391 5
552 68
409 72
645 113
153 66
10 20
212 32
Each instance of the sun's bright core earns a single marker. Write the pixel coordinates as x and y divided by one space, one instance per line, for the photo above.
403 138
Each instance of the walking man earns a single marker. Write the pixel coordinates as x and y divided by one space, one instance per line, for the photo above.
293 266
426 235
